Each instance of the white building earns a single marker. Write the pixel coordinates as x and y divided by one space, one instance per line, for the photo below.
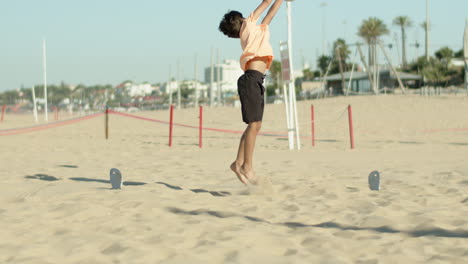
133 89
229 72
172 87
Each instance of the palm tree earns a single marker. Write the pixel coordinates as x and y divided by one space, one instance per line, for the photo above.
370 30
343 48
403 22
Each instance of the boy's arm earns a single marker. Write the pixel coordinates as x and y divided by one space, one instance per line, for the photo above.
272 12
261 8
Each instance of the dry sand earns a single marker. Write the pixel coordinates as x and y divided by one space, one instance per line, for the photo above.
184 205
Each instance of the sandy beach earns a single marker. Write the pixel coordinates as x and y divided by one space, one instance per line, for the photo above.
183 204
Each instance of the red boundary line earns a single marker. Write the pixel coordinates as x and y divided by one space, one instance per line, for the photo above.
189 126
22 130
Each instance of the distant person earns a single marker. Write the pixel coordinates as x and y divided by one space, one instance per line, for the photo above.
255 60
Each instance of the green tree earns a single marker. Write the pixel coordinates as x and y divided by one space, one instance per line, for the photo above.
371 30
275 74
459 54
445 56
322 63
308 75
9 97
341 55
403 22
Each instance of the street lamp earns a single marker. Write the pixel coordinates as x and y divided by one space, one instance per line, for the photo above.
427 30
324 42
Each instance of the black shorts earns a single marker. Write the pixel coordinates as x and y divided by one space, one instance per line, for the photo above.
251 93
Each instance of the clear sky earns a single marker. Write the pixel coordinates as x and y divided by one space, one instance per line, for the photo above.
109 41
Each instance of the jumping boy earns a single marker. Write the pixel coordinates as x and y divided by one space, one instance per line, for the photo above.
255 60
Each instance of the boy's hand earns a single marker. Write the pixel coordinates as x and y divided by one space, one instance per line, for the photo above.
262 7
272 11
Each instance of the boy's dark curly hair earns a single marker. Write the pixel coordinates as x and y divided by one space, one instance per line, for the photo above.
231 24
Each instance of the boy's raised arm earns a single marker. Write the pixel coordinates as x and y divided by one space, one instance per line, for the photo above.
272 12
262 7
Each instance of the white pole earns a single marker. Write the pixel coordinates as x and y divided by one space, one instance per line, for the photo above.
197 95
288 117
218 77
427 31
34 104
168 86
284 49
211 78
324 45
44 66
350 80
178 85
292 91
298 138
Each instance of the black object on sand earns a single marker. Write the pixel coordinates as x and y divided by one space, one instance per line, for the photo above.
115 178
374 181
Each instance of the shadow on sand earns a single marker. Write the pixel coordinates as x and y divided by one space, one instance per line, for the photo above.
45 177
214 193
42 177
126 183
436 232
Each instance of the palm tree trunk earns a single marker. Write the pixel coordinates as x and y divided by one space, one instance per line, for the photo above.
340 64
403 47
370 54
376 74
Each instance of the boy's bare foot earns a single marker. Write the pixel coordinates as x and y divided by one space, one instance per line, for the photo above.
249 174
236 170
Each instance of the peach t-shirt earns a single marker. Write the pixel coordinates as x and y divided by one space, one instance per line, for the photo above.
255 42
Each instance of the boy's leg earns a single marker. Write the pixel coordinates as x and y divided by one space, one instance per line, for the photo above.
236 165
249 145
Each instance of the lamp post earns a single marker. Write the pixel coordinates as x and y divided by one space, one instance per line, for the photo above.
44 67
427 30
324 42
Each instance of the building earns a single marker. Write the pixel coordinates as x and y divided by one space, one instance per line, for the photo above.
229 72
134 90
360 81
173 85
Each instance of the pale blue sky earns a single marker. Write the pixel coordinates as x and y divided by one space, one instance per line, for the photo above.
109 41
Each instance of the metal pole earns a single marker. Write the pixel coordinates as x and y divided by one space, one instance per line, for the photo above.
106 124
200 131
351 131
168 87
350 80
197 93
363 60
211 78
402 87
179 105
324 45
44 66
171 124
312 116
34 104
427 30
218 77
340 65
292 90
